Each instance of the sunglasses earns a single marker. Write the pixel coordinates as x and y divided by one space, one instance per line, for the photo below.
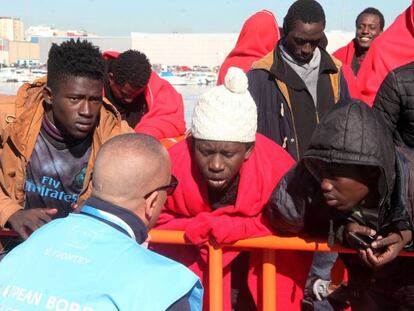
168 188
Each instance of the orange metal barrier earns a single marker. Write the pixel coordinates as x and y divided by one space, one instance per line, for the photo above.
215 259
269 244
269 280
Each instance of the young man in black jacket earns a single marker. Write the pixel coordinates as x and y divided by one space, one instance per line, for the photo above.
353 182
298 82
293 87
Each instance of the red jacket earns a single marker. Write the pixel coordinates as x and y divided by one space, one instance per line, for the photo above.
257 38
188 209
165 116
345 54
392 49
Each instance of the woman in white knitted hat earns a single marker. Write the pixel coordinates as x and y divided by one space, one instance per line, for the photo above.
226 174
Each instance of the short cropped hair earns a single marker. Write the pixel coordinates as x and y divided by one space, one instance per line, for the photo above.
131 67
372 11
74 59
306 11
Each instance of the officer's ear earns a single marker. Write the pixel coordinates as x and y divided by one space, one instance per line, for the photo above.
153 205
150 205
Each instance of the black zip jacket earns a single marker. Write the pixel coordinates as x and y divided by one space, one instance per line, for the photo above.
291 125
395 100
351 133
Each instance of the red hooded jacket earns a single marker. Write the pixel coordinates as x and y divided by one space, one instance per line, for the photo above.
392 49
257 38
345 54
188 209
165 116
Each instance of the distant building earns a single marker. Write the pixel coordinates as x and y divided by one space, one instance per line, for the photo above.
337 39
23 53
34 32
39 31
170 49
208 49
203 49
11 28
4 52
104 43
71 33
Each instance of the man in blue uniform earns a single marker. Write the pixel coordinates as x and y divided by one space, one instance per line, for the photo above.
93 260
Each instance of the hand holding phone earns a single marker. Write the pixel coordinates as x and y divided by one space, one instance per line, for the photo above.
359 237
359 241
385 249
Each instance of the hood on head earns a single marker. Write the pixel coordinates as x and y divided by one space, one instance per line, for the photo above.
258 36
353 133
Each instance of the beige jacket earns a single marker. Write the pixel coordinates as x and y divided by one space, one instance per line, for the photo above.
18 139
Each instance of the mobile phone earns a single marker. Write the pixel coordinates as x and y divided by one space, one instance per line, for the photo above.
359 241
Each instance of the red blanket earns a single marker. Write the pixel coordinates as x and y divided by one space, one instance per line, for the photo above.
345 54
165 116
392 49
258 37
188 209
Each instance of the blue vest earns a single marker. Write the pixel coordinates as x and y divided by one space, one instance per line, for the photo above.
81 263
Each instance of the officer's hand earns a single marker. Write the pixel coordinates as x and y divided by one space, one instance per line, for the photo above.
384 250
24 221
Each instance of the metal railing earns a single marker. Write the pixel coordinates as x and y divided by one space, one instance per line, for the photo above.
268 244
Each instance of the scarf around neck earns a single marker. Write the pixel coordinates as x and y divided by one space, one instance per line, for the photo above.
308 72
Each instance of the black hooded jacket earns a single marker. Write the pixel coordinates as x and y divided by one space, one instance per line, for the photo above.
290 119
351 133
395 100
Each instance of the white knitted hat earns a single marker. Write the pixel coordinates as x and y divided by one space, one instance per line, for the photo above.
226 112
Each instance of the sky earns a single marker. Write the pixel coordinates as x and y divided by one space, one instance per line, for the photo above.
121 17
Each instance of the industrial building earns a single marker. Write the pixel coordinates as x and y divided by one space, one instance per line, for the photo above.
183 49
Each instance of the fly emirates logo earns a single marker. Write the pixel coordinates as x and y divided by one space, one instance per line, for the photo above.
50 187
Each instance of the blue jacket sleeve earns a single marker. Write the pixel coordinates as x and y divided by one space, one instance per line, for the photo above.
181 304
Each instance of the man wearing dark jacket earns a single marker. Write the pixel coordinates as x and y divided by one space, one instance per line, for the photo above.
295 84
352 181
293 87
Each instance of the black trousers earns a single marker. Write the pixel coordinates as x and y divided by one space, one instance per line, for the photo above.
390 288
241 299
